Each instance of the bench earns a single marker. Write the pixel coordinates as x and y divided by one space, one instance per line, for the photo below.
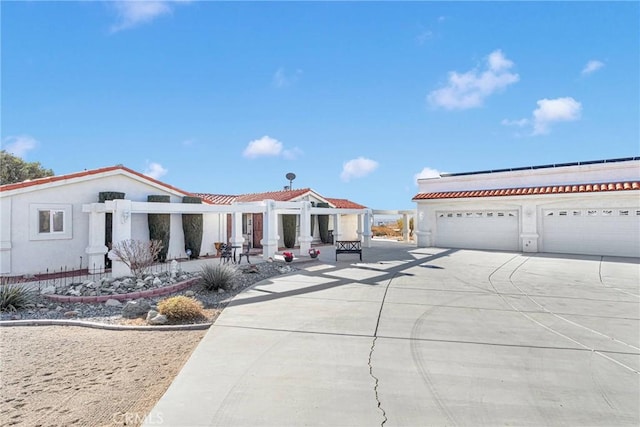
348 247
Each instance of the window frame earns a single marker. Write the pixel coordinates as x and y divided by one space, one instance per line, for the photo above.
35 215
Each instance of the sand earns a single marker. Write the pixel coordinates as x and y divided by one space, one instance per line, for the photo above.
74 376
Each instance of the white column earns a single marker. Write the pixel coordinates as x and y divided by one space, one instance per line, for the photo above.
270 235
529 235
236 231
5 235
405 228
337 227
305 229
96 248
121 232
366 228
423 227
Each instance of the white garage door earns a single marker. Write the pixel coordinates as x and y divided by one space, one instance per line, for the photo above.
478 230
592 231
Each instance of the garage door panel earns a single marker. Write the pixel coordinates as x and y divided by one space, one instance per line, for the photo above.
478 230
613 232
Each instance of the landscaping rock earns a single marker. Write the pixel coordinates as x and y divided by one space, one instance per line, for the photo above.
113 303
189 294
151 314
49 290
72 313
160 319
134 309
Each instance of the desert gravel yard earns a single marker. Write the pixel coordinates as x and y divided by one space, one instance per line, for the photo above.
74 376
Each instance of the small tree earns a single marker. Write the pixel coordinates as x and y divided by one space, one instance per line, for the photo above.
14 169
137 255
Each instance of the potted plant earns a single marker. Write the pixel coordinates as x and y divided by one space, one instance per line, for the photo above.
313 253
288 256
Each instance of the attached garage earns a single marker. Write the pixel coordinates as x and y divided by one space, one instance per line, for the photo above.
593 231
589 208
478 229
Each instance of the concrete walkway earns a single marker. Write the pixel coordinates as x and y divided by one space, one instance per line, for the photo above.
417 337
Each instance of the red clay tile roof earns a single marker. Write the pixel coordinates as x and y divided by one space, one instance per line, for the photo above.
345 204
278 196
217 199
524 191
50 179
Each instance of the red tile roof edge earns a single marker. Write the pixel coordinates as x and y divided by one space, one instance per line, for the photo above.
279 196
51 179
345 203
543 190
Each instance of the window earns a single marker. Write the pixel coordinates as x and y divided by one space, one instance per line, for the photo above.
49 221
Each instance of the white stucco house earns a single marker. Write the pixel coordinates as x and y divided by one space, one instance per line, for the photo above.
588 208
59 222
343 226
43 225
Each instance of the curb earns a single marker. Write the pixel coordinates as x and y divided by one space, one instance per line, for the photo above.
176 287
104 326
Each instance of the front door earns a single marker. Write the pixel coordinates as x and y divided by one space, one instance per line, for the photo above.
257 230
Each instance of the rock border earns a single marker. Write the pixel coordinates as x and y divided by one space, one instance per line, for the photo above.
105 326
176 287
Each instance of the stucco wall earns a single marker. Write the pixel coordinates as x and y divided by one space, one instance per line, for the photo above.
567 175
28 256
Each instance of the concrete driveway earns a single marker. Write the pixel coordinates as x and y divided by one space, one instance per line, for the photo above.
422 337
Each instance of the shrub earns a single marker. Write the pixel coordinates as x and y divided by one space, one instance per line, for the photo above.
160 226
181 308
192 227
215 277
289 230
14 296
137 255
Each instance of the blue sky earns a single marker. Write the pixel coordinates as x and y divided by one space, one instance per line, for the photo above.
356 98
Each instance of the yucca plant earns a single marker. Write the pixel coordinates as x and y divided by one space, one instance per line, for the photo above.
216 277
14 296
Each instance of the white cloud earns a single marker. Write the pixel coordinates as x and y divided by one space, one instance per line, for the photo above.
519 123
357 168
426 173
132 13
470 89
270 147
292 154
155 170
550 111
424 36
19 145
263 147
282 79
592 66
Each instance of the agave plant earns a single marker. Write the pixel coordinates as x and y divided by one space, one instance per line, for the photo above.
14 296
218 276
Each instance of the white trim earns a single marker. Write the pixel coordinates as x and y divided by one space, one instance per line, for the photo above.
34 229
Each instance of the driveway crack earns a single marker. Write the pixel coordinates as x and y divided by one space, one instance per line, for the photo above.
377 381
373 346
